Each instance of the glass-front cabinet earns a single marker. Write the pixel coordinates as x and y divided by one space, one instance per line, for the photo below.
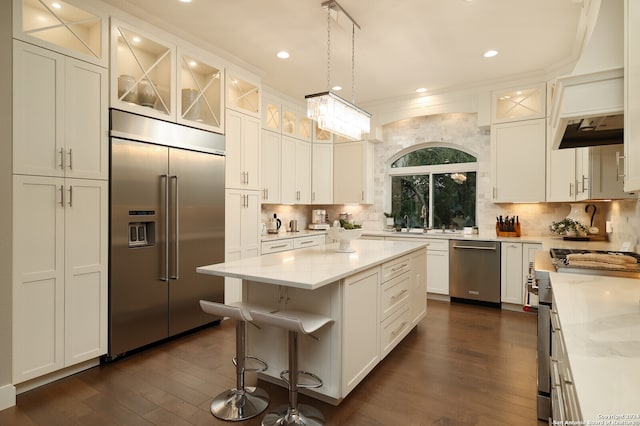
519 104
64 27
200 93
243 95
142 73
272 115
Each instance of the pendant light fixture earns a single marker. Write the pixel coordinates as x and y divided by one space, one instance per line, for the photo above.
333 113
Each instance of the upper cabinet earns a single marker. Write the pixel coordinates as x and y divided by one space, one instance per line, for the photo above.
353 178
632 95
200 92
243 94
63 27
519 104
142 73
518 154
60 121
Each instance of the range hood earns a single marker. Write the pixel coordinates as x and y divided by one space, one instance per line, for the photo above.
588 104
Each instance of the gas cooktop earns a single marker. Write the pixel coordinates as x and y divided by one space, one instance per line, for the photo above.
559 259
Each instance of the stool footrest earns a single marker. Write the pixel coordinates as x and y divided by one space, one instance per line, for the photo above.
262 366
316 381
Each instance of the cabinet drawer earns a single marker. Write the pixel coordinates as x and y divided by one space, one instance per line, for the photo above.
393 329
394 294
303 242
276 246
439 244
395 267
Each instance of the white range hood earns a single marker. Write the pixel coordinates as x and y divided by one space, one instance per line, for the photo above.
588 104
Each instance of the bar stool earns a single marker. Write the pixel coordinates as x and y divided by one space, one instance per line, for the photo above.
295 322
242 402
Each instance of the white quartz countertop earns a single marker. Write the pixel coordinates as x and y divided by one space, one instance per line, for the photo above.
600 321
313 267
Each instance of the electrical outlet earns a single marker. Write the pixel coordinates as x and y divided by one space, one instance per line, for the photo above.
626 246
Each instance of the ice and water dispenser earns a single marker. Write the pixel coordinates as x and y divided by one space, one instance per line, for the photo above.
142 232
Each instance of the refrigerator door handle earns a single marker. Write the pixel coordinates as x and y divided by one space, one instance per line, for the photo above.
176 221
164 265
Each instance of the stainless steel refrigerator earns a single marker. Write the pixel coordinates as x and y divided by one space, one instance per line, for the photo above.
167 217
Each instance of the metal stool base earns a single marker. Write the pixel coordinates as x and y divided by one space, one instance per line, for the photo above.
234 406
282 416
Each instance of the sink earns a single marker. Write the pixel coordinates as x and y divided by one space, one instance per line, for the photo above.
445 232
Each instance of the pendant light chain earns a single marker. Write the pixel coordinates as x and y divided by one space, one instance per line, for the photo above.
328 47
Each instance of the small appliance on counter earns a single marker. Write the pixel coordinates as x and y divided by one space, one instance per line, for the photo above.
319 220
274 224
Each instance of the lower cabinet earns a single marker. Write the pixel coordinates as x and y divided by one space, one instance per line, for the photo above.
514 267
372 312
60 247
293 243
438 266
242 234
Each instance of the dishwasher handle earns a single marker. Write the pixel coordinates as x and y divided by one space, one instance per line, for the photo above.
493 248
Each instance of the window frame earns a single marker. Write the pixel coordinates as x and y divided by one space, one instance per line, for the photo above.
430 171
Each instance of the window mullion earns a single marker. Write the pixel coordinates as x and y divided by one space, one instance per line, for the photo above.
431 200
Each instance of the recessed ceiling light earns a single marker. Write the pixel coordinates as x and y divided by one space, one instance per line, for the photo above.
192 64
185 1
56 5
136 39
336 88
421 90
283 54
490 53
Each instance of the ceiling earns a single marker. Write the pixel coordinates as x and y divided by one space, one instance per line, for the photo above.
402 44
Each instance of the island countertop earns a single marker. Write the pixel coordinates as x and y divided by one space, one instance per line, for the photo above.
313 267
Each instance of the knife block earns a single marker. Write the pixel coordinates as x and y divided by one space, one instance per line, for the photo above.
515 233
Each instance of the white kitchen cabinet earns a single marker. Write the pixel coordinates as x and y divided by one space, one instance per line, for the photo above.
322 173
353 172
517 104
599 173
561 175
514 267
60 115
270 166
271 114
632 95
361 327
143 72
276 246
60 250
417 301
243 94
200 95
321 135
79 32
242 233
438 266
242 143
295 178
518 161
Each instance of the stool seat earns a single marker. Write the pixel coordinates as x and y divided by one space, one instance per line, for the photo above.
294 322
242 402
299 321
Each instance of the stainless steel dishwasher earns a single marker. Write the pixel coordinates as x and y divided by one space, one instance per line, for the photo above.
474 271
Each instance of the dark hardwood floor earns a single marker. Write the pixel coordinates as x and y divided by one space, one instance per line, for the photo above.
462 365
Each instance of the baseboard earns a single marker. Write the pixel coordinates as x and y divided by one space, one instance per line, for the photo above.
56 375
7 396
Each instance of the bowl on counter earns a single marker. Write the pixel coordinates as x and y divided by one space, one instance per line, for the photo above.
344 237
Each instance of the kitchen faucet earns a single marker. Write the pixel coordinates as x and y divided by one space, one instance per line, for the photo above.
406 222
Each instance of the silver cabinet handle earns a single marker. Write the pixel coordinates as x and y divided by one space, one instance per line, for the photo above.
176 223
395 296
584 186
570 189
61 158
361 195
404 265
618 158
62 195
313 195
278 246
305 242
70 159
399 329
70 195
164 268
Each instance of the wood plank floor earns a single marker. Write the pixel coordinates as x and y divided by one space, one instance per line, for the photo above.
463 365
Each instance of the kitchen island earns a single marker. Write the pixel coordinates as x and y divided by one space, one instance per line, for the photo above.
375 296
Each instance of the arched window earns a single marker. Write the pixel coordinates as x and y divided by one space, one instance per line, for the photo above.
434 187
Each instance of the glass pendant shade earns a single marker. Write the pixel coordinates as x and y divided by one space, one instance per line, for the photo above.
338 115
